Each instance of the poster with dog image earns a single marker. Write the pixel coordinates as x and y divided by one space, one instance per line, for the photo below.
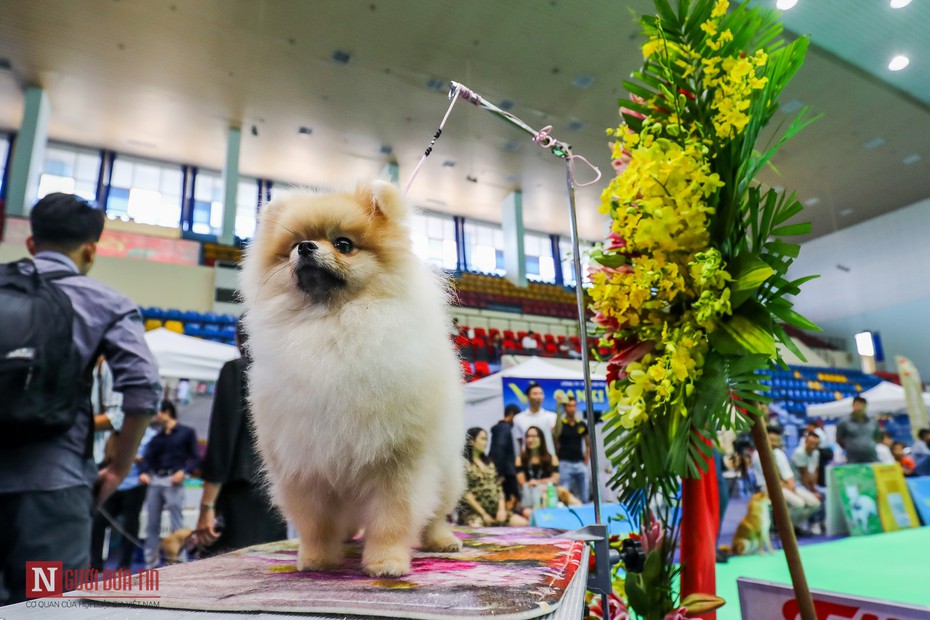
858 497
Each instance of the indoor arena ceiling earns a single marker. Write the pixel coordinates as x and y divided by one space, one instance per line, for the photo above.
165 78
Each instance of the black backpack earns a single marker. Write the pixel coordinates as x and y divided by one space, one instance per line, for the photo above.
41 379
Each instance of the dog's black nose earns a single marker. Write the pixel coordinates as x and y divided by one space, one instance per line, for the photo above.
306 248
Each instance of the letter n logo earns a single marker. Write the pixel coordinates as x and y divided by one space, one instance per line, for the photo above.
43 579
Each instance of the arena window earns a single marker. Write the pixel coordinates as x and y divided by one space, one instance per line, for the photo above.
70 169
484 247
146 191
434 238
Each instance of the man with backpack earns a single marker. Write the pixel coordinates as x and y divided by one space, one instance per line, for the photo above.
54 323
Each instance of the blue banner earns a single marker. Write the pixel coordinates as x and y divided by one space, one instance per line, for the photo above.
515 392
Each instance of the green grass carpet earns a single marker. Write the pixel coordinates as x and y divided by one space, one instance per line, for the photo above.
889 566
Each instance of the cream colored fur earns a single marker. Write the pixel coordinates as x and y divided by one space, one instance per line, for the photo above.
357 402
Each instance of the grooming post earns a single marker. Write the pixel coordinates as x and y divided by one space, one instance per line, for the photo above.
783 520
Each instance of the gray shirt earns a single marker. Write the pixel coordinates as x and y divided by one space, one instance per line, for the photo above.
858 439
104 322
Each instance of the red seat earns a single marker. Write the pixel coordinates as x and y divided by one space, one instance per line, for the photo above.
509 345
551 350
549 338
521 335
482 369
508 335
481 333
494 332
561 339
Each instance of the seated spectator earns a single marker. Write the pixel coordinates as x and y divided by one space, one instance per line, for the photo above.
805 461
921 448
907 463
496 348
802 504
537 468
567 350
529 343
483 503
883 448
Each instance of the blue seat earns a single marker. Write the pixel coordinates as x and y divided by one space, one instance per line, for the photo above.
172 314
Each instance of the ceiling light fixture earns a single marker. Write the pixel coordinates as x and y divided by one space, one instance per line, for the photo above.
812 201
874 143
784 5
305 131
845 212
898 62
911 159
899 4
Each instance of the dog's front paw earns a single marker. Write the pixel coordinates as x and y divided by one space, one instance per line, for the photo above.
311 558
442 542
386 562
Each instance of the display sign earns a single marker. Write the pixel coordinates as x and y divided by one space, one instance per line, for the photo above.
121 244
853 488
765 599
515 392
895 508
920 492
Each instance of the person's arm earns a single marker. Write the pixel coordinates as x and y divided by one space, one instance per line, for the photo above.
471 501
127 442
102 422
587 448
808 479
521 474
135 374
206 533
841 435
554 478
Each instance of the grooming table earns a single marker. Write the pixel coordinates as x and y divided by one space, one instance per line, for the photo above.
504 573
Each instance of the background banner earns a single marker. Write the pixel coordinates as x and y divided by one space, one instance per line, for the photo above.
515 392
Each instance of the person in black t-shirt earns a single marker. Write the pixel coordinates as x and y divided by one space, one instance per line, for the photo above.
169 457
573 447
504 455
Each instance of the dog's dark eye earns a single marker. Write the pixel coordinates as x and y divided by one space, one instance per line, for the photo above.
343 245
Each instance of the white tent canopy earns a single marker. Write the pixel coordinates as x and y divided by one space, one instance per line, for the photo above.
185 357
885 397
484 398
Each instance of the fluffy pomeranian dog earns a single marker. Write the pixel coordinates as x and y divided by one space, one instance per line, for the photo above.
354 385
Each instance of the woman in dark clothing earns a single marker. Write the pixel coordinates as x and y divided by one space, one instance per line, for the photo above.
232 490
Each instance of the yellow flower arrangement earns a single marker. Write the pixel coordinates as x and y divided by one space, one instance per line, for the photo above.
690 286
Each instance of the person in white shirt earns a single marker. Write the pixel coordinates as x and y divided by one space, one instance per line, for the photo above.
802 504
529 343
107 407
535 415
883 448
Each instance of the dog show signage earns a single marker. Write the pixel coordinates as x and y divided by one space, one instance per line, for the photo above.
765 599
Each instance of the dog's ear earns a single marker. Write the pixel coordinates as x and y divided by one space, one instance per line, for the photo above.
271 211
383 199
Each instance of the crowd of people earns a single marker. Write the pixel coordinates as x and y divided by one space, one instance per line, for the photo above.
859 438
533 458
